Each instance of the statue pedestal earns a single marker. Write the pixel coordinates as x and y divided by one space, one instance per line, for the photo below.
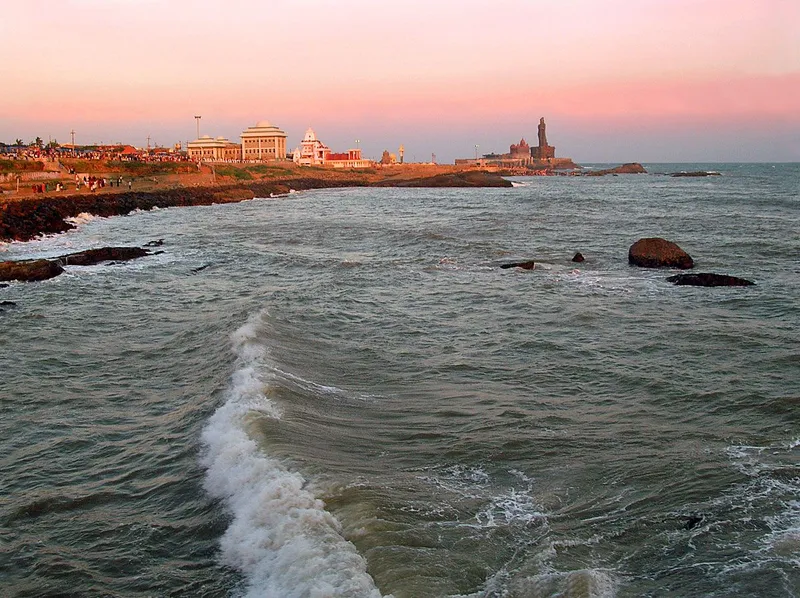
543 153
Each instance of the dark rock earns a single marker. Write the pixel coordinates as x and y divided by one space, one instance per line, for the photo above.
2 286
693 521
705 279
471 178
7 303
655 252
104 254
578 257
529 265
695 173
629 168
30 270
200 268
158 243
33 270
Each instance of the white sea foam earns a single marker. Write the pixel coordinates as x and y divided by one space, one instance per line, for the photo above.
582 583
82 218
773 480
281 537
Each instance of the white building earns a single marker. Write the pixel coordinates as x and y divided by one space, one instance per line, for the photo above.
213 149
312 152
263 142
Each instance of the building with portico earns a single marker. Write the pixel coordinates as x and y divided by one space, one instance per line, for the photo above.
263 142
213 149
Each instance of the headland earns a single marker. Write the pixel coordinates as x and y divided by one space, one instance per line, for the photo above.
128 186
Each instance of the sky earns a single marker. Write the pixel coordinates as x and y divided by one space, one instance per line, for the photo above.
647 81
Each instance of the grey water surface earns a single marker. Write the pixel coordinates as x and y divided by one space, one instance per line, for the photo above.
340 393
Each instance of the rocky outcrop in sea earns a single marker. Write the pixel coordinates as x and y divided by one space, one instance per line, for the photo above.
655 252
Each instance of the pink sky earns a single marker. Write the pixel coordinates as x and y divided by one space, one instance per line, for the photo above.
658 80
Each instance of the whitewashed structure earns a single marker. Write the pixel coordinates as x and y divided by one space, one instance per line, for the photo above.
312 152
263 142
214 149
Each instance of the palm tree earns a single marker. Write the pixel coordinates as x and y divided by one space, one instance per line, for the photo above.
38 142
18 141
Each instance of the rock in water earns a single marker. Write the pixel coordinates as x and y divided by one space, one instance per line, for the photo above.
104 254
705 279
529 265
578 257
30 270
655 252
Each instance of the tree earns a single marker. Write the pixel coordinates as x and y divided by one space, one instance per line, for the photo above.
18 141
38 142
53 144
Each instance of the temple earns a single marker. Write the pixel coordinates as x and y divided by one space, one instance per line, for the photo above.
524 157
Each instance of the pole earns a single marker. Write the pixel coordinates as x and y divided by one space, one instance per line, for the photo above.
197 118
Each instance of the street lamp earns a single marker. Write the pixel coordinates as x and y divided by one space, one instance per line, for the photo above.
476 152
197 118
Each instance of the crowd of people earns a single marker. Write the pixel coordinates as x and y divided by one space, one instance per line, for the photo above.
113 153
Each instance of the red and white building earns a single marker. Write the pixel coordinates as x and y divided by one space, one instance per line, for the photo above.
312 152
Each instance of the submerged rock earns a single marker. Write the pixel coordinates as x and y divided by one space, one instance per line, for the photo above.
35 270
696 173
529 265
578 257
104 254
655 252
706 279
30 270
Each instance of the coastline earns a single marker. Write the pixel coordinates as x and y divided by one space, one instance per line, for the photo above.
26 218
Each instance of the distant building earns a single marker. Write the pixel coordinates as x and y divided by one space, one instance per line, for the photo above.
216 149
520 150
522 155
312 152
351 159
263 142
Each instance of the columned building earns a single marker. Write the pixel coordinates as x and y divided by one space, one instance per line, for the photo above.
263 142
213 149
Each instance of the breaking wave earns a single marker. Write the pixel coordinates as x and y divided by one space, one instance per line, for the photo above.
281 537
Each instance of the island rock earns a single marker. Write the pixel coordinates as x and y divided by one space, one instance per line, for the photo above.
706 279
104 254
629 168
30 270
655 252
529 265
35 270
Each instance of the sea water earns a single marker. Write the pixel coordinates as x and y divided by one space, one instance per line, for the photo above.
341 393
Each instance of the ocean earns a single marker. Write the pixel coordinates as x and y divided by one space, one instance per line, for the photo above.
341 393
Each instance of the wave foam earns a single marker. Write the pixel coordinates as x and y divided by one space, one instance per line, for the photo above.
281 537
82 218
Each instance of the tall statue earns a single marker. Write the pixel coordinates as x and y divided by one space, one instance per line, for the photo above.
542 133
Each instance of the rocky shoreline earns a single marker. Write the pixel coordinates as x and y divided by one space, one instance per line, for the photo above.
31 217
